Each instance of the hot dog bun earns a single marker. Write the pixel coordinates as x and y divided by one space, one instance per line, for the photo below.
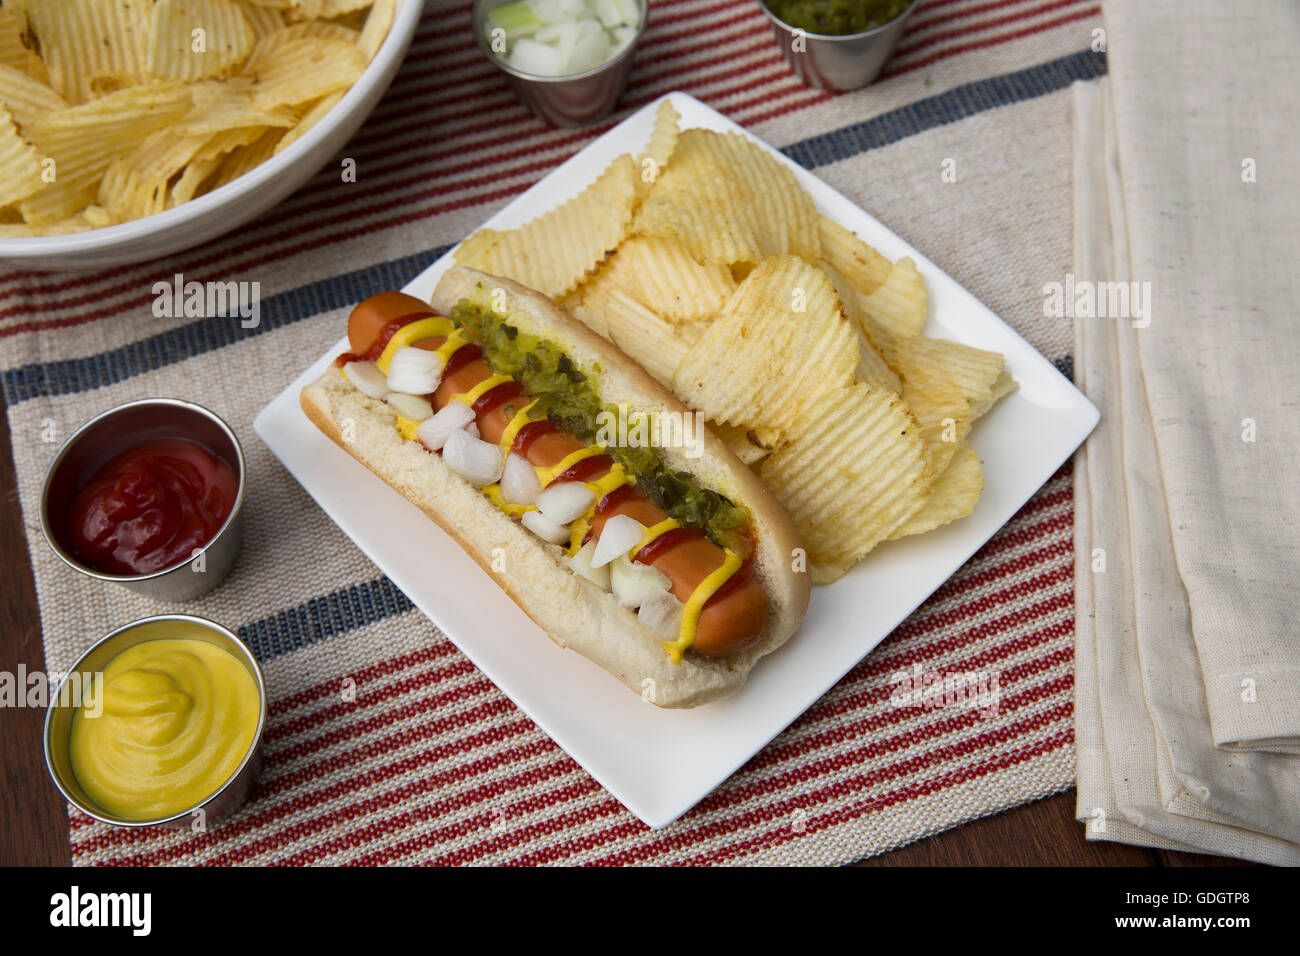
573 611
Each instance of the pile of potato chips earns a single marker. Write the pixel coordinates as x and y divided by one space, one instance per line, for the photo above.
115 109
705 261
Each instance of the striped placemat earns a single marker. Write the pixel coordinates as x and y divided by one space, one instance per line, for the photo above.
424 760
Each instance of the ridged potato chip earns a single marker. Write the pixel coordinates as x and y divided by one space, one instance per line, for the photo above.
20 163
662 276
663 140
12 52
872 368
750 445
91 47
852 470
27 98
558 249
84 140
309 119
945 419
728 201
900 302
1003 386
247 158
656 345
293 70
953 495
864 268
941 366
378 22
781 340
197 39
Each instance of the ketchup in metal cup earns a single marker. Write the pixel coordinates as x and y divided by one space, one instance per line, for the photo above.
151 507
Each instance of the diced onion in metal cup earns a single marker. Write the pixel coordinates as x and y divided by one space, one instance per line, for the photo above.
415 407
415 371
635 583
519 482
662 614
452 417
619 536
565 502
581 564
367 378
544 527
477 461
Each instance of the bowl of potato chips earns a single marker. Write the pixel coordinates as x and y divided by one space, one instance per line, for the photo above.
132 131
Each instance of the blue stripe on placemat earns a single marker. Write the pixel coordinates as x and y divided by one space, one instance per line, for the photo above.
175 345
335 613
76 375
950 107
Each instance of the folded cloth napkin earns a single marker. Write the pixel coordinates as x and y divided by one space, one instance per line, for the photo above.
1187 523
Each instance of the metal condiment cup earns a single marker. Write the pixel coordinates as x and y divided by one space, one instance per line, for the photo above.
228 798
112 432
564 101
837 63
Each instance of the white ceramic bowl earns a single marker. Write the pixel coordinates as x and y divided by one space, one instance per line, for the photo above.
235 203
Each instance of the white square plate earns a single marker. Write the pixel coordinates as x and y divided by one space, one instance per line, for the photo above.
661 763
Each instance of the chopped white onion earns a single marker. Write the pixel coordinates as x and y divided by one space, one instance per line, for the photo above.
662 613
566 501
519 482
619 536
564 37
581 564
544 527
635 583
452 417
367 378
414 371
415 407
478 462
539 59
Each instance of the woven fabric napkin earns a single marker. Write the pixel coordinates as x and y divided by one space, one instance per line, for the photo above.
425 761
1187 527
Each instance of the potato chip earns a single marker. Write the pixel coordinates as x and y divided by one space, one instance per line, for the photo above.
337 8
228 104
194 180
864 268
750 445
83 140
246 158
136 184
945 418
12 52
781 340
663 140
728 201
852 471
27 98
940 366
295 70
20 163
262 20
197 39
953 495
656 345
661 275
313 116
1003 386
376 29
555 251
91 47
900 303
872 368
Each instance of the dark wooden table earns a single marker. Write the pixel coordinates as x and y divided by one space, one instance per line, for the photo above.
34 821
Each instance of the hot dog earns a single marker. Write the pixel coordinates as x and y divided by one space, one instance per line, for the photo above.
711 553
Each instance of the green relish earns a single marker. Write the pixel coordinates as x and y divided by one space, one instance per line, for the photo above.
836 17
566 397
